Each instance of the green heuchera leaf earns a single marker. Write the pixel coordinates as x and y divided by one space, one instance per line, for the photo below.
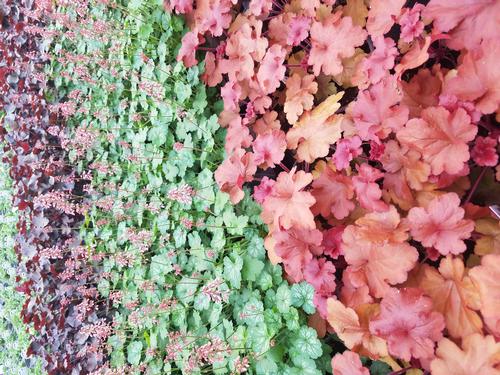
380 368
302 296
259 338
306 342
266 366
252 268
283 298
232 270
235 224
160 267
134 350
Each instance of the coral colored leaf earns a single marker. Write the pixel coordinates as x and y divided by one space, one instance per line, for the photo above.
288 205
367 190
296 247
357 10
409 324
272 71
478 355
331 41
441 225
233 172
333 192
346 324
377 113
190 41
441 137
468 21
382 15
269 148
487 279
475 82
377 264
453 295
348 363
490 241
313 134
299 95
416 56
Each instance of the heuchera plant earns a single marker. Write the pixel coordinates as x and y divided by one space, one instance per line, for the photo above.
175 276
371 130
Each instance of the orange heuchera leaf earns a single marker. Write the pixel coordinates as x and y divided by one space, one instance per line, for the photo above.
355 335
441 225
296 247
416 56
479 356
299 95
288 205
487 278
233 172
348 363
372 259
333 193
313 134
357 10
441 137
409 324
382 15
331 41
490 242
454 295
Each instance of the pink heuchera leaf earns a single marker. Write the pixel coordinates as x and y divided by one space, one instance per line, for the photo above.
213 16
347 149
299 95
478 355
237 136
484 152
190 41
382 15
475 82
367 190
411 25
298 29
377 252
468 21
231 94
296 247
408 323
441 224
272 71
260 7
233 172
267 122
348 363
288 205
332 241
441 137
487 278
320 273
262 190
269 148
212 75
377 65
179 6
416 56
377 113
333 193
354 290
331 41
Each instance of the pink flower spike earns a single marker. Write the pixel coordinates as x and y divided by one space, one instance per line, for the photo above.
441 224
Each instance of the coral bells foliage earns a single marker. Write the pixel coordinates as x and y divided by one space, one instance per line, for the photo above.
389 113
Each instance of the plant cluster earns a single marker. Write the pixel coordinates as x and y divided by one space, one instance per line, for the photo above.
47 196
368 131
166 274
14 336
